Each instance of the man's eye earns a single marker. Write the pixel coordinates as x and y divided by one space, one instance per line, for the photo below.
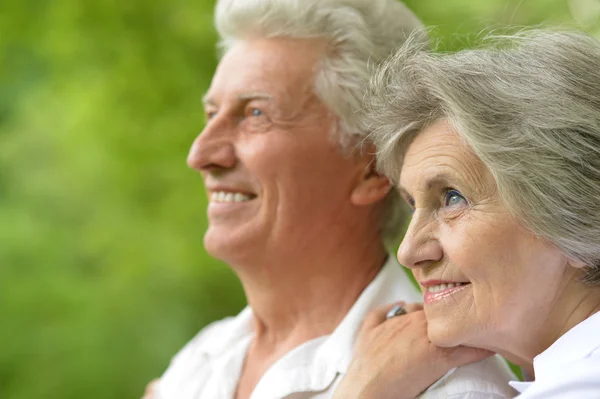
210 115
453 198
256 112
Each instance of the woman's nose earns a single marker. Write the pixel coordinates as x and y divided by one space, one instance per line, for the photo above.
420 246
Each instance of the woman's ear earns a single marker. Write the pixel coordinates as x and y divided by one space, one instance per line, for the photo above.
371 187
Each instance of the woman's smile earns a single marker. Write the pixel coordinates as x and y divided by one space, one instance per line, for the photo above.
437 290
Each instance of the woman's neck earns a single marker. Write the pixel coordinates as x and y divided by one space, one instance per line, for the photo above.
577 304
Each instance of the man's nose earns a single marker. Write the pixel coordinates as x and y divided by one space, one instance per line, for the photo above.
420 246
213 149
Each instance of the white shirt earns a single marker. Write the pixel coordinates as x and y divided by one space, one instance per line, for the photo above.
569 368
210 365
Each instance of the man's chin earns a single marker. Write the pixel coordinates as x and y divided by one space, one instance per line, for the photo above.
226 245
215 244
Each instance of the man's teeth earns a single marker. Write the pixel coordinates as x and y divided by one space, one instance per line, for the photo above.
442 287
225 196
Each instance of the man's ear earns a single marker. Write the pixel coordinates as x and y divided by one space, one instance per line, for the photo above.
577 264
371 186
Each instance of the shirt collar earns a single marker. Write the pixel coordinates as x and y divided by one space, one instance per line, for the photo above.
390 285
326 357
220 340
572 346
318 361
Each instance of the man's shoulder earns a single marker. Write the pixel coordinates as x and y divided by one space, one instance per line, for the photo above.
190 368
212 331
487 378
211 338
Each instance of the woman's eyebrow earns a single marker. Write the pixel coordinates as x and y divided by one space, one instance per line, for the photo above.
403 192
431 182
437 181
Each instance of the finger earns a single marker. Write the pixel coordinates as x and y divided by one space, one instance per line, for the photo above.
413 307
378 316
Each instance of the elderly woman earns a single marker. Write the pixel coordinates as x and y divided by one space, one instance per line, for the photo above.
497 153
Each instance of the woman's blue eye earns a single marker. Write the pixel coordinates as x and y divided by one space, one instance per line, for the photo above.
210 115
256 112
453 198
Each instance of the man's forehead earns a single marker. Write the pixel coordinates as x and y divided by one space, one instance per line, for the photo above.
266 66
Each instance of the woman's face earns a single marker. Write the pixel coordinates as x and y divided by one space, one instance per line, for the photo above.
487 281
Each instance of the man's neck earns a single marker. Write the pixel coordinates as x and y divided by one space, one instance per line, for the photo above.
302 298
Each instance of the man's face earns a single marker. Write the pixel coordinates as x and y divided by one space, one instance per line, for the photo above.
275 177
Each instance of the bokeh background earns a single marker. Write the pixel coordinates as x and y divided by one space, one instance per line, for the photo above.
103 276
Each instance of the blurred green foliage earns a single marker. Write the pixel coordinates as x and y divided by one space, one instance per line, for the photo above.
103 276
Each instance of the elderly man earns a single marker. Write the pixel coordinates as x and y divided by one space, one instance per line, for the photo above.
296 206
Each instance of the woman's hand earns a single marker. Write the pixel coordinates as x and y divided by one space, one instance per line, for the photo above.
394 359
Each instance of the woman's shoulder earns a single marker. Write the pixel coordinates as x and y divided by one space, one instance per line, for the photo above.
579 379
487 378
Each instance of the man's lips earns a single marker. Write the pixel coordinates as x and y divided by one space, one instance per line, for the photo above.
230 188
224 196
230 194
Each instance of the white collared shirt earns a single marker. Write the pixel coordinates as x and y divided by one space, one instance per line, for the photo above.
569 368
210 365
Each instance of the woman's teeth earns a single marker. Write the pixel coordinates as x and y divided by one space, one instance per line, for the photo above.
442 287
225 196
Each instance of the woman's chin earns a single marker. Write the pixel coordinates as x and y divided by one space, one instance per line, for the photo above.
444 335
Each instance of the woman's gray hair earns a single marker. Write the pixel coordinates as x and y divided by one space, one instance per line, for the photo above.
360 33
528 105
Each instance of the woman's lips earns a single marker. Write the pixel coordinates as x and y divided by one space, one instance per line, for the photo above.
435 293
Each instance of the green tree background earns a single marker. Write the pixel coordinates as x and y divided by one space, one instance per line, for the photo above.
103 276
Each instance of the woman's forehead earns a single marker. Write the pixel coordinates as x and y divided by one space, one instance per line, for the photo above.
438 155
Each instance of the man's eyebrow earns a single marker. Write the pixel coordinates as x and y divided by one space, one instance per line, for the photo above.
208 100
254 96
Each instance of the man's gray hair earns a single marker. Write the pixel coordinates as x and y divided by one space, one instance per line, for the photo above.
359 33
528 105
